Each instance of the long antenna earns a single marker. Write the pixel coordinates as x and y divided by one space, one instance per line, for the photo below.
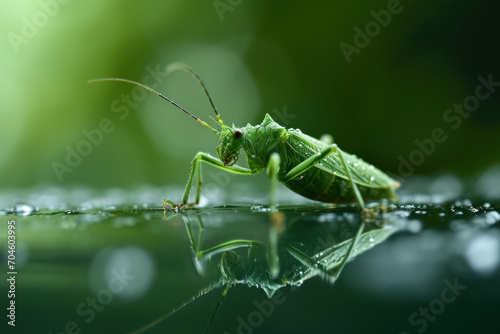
183 67
160 319
160 95
224 293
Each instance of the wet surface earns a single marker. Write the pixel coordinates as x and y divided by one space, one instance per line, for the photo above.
97 262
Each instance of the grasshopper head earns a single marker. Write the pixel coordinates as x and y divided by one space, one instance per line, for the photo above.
230 143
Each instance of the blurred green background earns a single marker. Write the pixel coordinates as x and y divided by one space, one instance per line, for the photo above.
407 69
255 57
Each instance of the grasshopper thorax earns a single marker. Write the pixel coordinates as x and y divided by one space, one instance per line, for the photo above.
257 141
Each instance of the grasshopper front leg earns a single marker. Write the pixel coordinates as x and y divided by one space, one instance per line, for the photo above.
196 167
277 218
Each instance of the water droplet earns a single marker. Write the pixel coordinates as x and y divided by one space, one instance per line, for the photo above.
414 226
355 164
492 217
467 202
134 264
372 179
23 209
372 240
482 254
263 209
348 162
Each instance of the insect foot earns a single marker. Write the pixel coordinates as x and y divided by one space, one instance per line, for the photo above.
373 210
173 207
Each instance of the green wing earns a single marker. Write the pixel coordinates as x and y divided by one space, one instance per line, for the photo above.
363 173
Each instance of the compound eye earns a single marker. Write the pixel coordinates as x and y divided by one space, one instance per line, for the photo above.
237 133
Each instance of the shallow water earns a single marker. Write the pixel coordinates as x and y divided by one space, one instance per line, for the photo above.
111 261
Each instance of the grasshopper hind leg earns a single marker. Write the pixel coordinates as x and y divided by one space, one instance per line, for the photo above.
361 206
309 163
357 194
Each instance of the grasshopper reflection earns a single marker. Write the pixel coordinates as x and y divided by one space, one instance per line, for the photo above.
295 250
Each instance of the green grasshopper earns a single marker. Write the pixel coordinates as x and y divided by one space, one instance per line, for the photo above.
316 169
